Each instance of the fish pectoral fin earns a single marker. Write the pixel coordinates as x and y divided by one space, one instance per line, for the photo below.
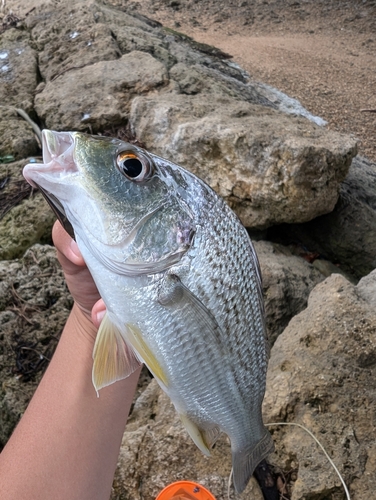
173 293
211 435
113 358
195 433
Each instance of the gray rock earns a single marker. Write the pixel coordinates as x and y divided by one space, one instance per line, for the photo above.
287 282
322 375
25 217
27 223
367 288
347 235
69 36
18 70
268 166
34 306
98 96
17 137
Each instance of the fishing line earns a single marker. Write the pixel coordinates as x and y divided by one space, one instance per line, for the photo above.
323 449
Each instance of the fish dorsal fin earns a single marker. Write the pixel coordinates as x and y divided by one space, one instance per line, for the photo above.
195 433
113 357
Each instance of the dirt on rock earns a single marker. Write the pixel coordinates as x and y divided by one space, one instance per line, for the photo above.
322 52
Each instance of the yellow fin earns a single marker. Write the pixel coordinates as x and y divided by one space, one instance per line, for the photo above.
145 353
196 434
113 358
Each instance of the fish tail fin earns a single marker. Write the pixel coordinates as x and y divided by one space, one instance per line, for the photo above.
245 460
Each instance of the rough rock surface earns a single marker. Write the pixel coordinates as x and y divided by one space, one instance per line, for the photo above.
34 306
18 70
322 375
265 176
81 98
17 137
347 235
26 223
287 281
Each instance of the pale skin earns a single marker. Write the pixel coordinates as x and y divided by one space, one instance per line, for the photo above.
67 443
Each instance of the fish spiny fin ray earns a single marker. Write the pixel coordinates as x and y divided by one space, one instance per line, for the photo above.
196 434
137 341
113 358
211 435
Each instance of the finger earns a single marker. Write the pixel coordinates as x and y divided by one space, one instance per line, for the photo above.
66 247
98 312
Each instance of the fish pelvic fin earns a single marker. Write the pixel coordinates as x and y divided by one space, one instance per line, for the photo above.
196 434
245 460
113 358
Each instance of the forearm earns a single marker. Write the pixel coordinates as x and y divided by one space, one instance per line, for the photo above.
67 443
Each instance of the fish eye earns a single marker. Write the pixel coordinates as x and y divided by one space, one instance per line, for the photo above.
136 167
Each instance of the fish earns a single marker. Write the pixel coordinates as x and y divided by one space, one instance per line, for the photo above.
180 280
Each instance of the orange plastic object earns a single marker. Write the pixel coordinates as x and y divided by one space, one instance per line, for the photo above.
185 490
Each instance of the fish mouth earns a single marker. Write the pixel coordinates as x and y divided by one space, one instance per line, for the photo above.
58 161
58 146
58 210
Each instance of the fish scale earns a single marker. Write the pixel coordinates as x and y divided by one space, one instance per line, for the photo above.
180 280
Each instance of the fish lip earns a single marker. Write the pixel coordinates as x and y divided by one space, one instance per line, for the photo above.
58 210
55 144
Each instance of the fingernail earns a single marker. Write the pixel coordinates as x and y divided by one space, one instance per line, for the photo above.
100 315
75 249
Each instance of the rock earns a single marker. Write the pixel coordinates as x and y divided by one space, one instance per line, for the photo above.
22 223
268 166
68 36
18 70
34 306
322 375
327 268
287 282
17 137
367 288
347 235
98 95
156 451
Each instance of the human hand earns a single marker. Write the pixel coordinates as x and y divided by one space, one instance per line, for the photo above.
79 280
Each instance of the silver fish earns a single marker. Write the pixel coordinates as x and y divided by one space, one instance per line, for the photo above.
180 280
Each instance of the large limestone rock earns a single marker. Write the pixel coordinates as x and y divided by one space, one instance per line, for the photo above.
68 36
287 281
322 375
25 217
268 166
99 94
347 235
18 70
17 136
